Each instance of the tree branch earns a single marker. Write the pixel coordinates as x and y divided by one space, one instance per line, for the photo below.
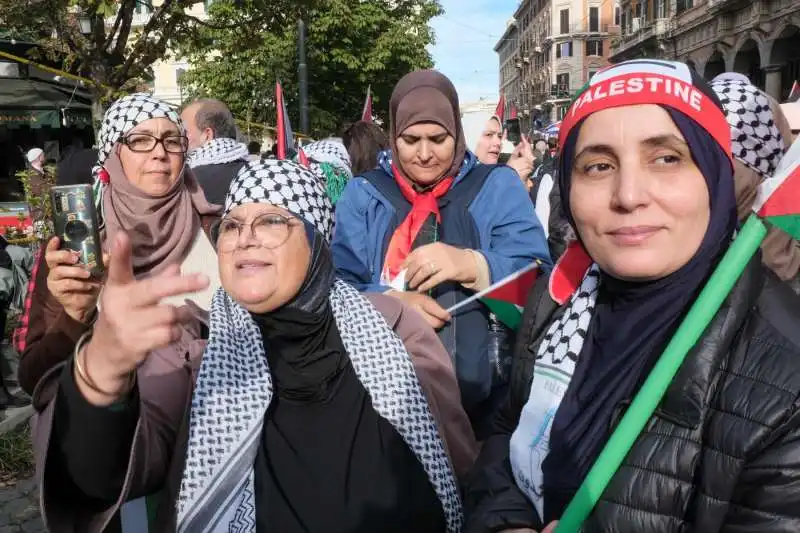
125 14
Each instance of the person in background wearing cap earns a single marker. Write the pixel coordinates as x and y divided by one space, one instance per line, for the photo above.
760 135
323 410
431 227
649 189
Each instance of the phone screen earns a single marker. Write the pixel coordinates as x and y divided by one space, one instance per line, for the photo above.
514 135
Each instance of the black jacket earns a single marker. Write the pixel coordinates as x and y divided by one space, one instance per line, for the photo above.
215 180
722 452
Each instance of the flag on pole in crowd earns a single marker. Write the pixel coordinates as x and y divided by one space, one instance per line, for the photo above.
794 94
285 137
778 199
500 111
507 297
366 114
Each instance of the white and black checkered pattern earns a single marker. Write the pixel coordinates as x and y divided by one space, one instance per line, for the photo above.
218 151
757 141
284 184
329 151
234 390
564 337
127 113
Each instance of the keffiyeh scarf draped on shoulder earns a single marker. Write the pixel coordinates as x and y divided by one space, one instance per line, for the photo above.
329 160
218 151
234 386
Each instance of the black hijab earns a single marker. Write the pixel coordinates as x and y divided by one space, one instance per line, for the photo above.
304 349
632 323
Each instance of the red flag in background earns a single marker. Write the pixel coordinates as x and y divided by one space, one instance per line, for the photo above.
366 114
794 95
285 138
500 112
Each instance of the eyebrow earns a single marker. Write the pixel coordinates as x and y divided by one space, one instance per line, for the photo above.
164 134
668 139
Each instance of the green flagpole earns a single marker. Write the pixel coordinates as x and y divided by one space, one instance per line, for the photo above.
649 396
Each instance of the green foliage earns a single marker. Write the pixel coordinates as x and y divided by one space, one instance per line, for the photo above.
116 55
16 455
351 44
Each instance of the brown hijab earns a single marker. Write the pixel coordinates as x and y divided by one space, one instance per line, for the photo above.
427 96
162 228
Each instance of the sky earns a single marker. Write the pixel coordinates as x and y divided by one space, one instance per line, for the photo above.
465 38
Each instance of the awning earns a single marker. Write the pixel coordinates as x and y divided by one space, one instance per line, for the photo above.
36 104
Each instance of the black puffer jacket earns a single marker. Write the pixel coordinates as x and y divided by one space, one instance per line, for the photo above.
722 452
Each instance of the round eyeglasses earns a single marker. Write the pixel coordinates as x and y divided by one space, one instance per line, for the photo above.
144 142
270 231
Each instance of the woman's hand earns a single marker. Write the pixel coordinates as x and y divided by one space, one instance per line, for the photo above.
429 308
521 160
70 283
432 264
132 322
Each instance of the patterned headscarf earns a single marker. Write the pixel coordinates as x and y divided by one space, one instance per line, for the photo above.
284 184
234 387
124 115
329 160
218 151
757 141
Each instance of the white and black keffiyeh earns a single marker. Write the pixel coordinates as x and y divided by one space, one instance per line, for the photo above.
329 151
124 115
555 364
234 385
757 141
120 118
284 184
218 151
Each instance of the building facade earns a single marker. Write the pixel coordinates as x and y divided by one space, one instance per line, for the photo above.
759 38
551 48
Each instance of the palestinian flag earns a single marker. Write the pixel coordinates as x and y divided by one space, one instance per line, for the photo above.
366 113
500 110
285 137
507 297
794 95
778 199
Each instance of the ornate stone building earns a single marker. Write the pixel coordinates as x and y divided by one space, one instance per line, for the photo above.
759 38
550 49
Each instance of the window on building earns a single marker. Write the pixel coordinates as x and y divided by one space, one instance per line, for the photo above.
594 19
594 48
683 5
661 9
564 50
179 72
562 82
617 16
143 7
565 21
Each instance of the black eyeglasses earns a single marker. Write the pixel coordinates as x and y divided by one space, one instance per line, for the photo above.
144 142
270 230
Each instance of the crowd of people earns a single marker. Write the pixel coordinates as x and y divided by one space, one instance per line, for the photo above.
270 348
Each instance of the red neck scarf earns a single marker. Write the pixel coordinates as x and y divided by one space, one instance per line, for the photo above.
423 204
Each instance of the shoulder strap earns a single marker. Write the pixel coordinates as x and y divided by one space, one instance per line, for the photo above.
538 310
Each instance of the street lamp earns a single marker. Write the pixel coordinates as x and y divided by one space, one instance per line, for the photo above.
85 23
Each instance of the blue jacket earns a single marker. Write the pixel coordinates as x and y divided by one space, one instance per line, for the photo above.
486 209
511 236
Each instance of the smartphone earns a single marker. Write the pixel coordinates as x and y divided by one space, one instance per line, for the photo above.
514 133
503 159
75 222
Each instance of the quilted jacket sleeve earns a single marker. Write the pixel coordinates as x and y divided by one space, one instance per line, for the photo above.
768 490
492 501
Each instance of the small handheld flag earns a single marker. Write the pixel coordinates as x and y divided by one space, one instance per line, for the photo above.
366 113
507 297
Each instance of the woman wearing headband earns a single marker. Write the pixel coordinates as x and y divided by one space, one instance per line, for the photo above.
647 181
314 408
